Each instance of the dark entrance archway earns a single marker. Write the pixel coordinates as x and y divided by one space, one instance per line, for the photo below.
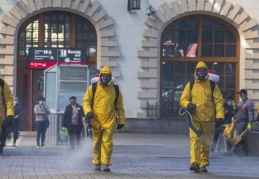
55 29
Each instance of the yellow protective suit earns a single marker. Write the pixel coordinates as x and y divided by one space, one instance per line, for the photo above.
8 98
104 119
203 117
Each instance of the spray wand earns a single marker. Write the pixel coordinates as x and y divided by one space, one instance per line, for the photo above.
87 127
189 119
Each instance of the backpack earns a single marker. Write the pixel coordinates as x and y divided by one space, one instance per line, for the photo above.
212 87
116 88
2 86
3 134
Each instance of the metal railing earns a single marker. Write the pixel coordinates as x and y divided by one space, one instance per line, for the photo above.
167 110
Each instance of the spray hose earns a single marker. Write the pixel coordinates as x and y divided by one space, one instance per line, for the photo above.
189 119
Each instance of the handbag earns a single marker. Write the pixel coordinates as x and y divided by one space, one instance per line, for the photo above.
47 122
229 130
63 135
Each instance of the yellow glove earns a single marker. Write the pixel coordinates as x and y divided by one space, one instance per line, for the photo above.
249 126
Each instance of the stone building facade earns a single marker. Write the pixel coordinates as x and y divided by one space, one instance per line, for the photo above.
130 41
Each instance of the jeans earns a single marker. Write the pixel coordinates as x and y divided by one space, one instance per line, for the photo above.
15 129
41 130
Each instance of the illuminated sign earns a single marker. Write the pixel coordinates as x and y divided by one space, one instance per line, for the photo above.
47 57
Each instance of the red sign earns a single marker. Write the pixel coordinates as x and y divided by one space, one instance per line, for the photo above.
42 65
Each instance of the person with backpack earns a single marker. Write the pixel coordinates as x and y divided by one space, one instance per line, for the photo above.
6 112
204 101
257 118
102 103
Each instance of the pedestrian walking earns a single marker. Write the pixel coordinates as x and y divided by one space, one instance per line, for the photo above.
202 100
101 102
243 118
72 120
6 112
42 111
16 119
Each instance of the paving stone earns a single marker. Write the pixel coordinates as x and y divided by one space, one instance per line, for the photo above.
134 156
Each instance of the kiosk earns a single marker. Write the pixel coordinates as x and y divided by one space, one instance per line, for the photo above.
62 82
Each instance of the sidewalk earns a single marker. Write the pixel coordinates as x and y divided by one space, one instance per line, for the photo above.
134 156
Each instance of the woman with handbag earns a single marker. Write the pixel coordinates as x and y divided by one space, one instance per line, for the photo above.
42 111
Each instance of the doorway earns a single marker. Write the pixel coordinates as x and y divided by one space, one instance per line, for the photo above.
24 94
52 29
30 85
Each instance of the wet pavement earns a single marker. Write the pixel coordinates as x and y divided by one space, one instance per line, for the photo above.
134 156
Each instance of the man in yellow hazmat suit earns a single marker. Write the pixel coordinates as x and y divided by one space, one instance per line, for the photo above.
6 111
257 118
202 102
100 108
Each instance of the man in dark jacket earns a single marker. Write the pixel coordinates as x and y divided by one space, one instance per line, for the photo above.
73 121
16 119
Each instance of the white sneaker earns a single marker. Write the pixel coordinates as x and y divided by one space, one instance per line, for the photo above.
106 168
43 146
37 147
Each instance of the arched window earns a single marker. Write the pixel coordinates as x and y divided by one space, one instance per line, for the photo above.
58 29
28 37
189 40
